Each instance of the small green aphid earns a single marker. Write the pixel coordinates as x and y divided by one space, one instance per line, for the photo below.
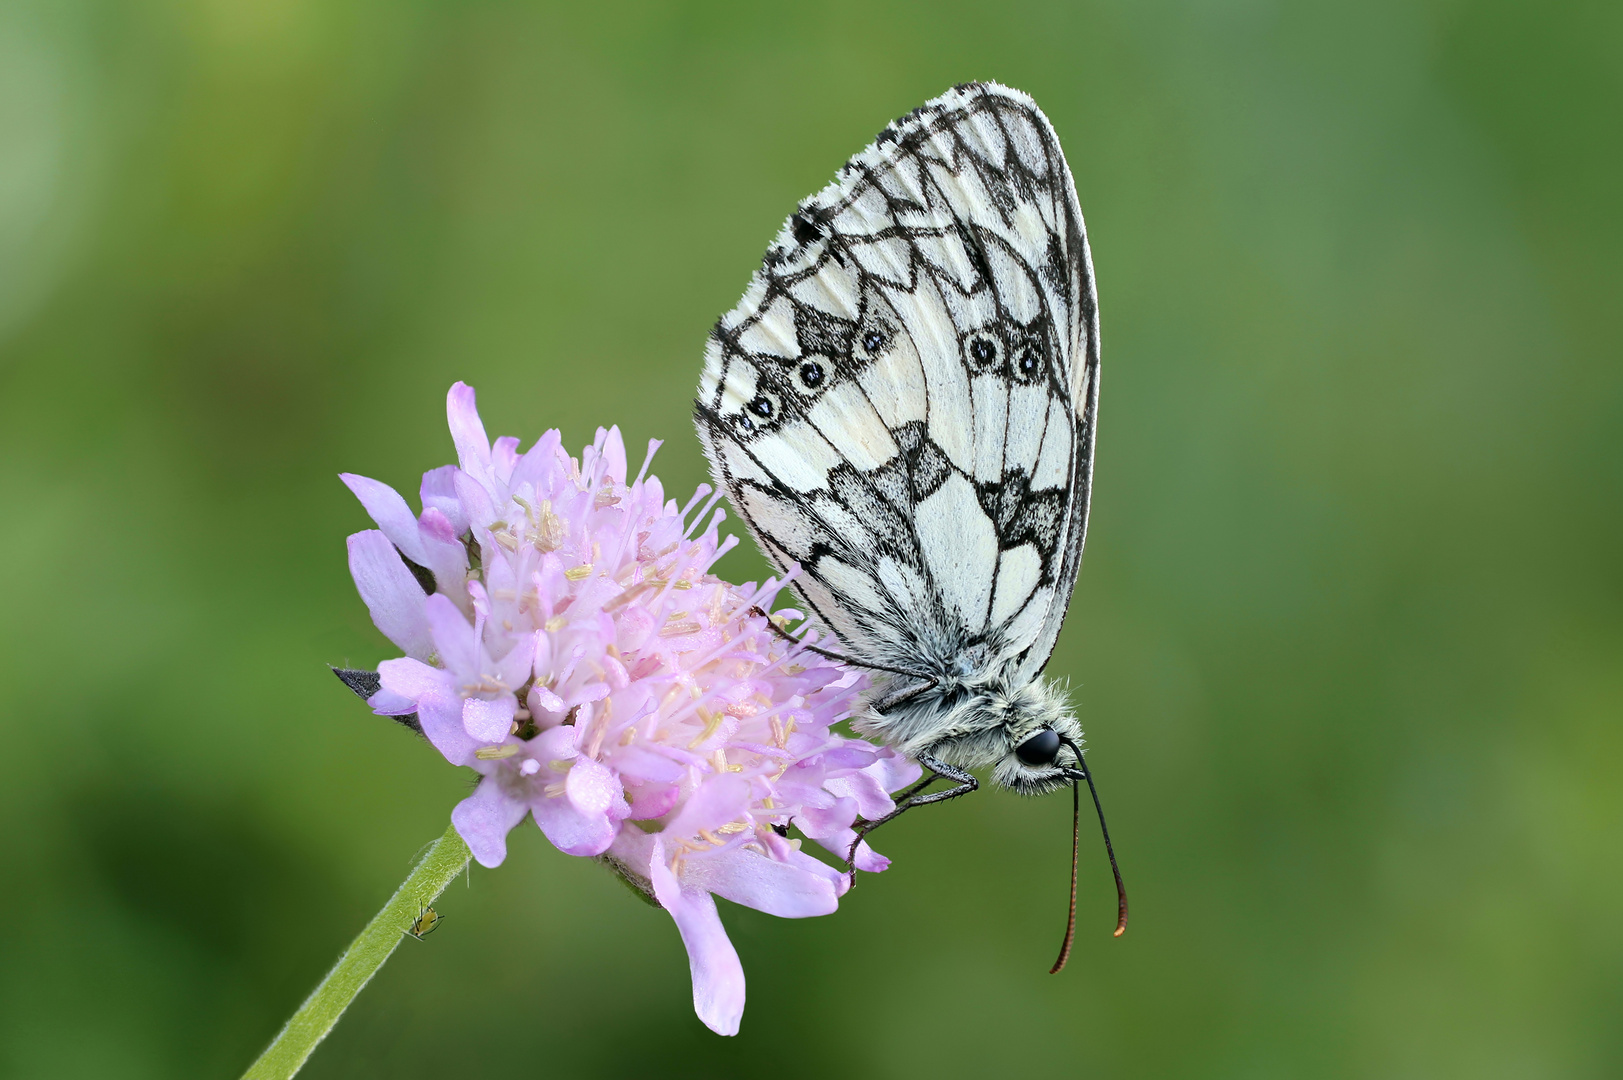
427 921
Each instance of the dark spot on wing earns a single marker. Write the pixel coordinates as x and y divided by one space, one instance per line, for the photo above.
804 228
1056 270
930 468
822 333
976 252
858 493
1023 516
909 436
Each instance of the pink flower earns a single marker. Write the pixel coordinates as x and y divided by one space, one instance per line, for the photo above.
576 651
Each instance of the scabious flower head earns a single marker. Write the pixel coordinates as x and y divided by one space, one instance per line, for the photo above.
564 638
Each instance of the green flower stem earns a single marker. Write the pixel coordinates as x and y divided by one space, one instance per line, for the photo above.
371 947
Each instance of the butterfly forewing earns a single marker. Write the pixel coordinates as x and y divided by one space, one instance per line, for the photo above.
903 402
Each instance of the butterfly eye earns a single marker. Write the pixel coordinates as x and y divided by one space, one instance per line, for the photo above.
811 375
983 349
1041 749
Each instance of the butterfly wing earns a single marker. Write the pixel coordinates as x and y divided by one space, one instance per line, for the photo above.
903 402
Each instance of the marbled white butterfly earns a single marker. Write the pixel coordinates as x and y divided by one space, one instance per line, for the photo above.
903 403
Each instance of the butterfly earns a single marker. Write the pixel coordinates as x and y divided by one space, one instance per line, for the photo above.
904 405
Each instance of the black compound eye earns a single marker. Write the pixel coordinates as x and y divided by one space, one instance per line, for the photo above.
762 406
1041 749
811 374
983 349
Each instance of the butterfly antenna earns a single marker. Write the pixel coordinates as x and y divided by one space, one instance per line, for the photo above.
1110 852
1076 843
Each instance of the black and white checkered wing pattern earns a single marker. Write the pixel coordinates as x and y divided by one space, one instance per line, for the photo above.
903 402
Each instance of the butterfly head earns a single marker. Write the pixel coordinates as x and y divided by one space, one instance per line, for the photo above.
1038 739
1043 763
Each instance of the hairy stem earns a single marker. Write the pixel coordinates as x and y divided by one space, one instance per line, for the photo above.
286 1054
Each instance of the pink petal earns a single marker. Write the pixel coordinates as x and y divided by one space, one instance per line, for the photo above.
866 858
500 578
388 703
412 679
489 721
440 715
514 668
634 848
503 456
649 801
484 819
571 831
893 771
536 463
634 627
439 493
816 822
541 697
476 501
391 513
591 786
468 433
443 553
718 977
434 524
588 693
391 594
640 763
873 802
619 678
716 801
614 454
453 637
554 744
780 848
853 754
777 888
481 600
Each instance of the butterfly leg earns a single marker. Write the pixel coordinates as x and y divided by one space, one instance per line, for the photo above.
914 796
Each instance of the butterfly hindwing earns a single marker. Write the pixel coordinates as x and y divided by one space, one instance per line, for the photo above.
903 402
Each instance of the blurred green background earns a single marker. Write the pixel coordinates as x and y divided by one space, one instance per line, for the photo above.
1347 639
